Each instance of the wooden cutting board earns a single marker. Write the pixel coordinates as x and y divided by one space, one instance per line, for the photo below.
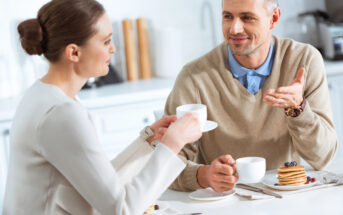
130 52
143 49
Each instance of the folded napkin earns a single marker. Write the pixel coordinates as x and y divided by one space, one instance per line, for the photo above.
324 179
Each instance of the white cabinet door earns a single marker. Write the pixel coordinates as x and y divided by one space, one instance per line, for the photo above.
4 157
118 126
336 96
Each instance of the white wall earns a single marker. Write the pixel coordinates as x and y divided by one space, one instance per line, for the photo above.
184 17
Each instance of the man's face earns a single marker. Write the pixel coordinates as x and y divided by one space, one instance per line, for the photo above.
247 25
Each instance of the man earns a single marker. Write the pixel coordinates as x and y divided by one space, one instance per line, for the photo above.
268 95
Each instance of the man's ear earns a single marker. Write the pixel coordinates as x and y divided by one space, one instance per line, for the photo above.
73 52
275 17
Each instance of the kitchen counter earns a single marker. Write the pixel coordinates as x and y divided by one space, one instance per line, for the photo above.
131 92
116 94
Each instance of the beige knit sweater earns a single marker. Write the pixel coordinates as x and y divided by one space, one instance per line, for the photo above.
246 125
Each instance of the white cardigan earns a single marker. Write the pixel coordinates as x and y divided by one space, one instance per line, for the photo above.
57 165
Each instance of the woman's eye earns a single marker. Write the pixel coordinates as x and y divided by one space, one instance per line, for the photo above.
107 41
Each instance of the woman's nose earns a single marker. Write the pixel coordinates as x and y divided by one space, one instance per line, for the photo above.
112 48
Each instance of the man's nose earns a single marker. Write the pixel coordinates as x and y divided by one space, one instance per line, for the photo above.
237 26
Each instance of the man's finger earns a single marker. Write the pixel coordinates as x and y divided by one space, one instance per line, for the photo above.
300 76
227 159
285 90
224 169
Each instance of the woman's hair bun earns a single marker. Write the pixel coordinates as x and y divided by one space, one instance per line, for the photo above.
31 36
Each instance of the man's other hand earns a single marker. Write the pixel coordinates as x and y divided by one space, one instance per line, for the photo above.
220 175
288 96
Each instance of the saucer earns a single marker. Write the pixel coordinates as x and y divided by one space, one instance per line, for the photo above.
208 194
209 125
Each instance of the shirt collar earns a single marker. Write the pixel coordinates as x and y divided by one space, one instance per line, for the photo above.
264 70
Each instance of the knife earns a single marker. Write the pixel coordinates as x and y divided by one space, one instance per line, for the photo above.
260 190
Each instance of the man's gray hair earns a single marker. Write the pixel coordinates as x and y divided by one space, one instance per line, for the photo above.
271 5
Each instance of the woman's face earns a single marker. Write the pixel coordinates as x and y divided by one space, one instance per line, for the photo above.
95 55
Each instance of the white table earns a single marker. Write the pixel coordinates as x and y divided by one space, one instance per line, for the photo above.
326 201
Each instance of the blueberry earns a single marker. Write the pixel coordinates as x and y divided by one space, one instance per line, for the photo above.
295 163
287 164
276 184
309 179
291 164
157 207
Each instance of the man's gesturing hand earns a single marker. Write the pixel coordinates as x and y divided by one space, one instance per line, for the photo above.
288 96
219 175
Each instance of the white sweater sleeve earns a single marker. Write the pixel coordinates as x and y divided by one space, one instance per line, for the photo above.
68 141
132 159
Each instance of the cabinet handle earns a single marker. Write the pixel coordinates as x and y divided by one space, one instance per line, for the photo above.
6 132
330 86
146 120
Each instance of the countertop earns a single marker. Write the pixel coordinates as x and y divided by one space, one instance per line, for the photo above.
130 92
109 95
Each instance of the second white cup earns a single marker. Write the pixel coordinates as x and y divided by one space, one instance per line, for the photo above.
251 169
199 109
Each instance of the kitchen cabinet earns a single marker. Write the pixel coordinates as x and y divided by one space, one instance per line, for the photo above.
4 156
336 96
335 80
120 111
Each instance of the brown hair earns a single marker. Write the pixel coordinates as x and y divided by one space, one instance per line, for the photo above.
59 23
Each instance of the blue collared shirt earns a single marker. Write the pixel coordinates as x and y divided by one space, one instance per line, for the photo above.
260 74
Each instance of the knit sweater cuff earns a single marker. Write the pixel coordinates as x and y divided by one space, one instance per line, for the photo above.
190 176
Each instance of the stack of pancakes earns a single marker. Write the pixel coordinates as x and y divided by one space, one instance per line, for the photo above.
292 176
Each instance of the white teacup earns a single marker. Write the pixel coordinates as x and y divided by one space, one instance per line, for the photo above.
199 109
251 169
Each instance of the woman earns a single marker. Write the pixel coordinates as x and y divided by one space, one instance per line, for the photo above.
56 164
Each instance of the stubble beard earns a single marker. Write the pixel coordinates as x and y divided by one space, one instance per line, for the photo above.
246 51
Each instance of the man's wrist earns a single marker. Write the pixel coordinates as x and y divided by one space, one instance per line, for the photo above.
202 176
296 111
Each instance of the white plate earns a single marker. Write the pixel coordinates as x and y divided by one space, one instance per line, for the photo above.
209 195
162 207
271 179
209 125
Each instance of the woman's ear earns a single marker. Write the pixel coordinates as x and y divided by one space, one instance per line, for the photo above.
72 52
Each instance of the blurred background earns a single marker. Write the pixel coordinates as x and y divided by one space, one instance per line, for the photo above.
191 27
178 31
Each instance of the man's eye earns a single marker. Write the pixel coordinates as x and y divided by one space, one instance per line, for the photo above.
248 18
227 16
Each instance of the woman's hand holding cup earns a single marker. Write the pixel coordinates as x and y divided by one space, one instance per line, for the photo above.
184 130
160 127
